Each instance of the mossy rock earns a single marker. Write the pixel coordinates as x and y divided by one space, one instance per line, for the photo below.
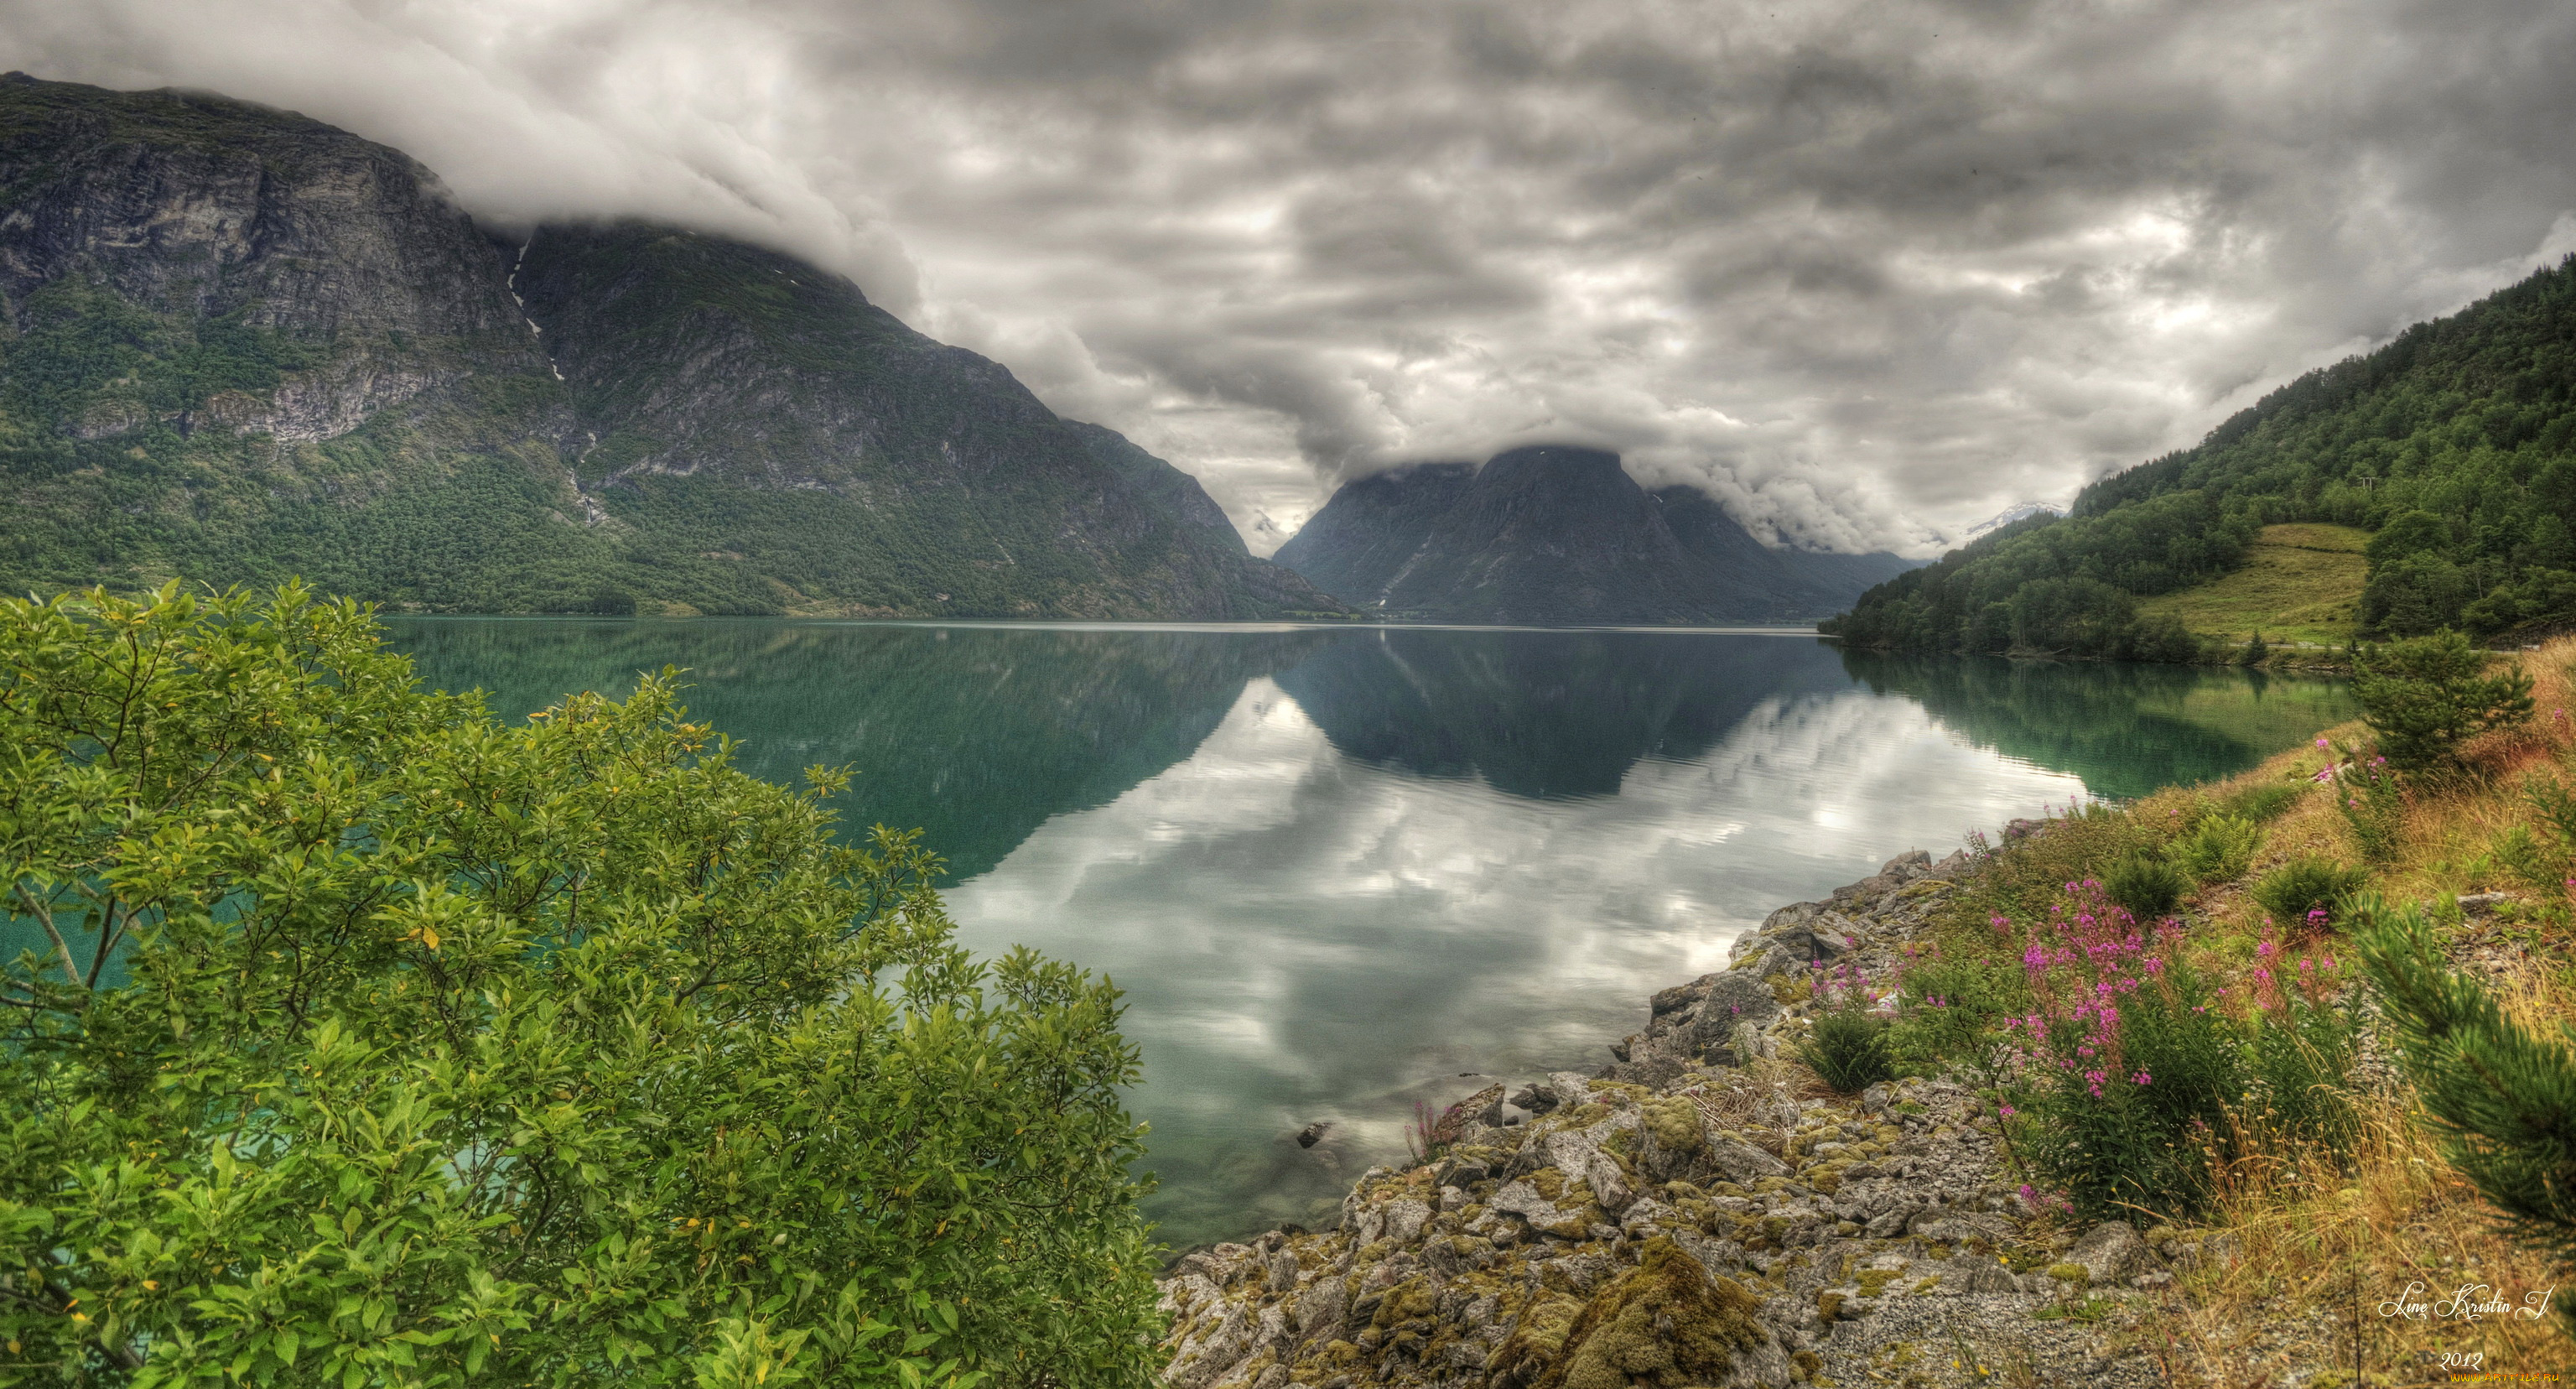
1829 1305
1874 1281
1585 1116
1540 1337
1665 1324
1674 1124
1549 1182
2076 1274
1786 990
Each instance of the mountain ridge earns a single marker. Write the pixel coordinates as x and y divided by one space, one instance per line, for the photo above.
240 344
1558 534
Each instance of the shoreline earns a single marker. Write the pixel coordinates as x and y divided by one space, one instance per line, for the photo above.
1701 1181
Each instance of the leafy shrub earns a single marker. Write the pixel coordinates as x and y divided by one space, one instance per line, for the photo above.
1945 1008
374 1042
2125 1113
2425 695
1848 1050
2305 885
2145 885
2122 1070
2219 849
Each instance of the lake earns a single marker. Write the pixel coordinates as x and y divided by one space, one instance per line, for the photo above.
1338 870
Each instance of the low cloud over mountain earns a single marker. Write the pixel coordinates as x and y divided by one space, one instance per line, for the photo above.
1869 273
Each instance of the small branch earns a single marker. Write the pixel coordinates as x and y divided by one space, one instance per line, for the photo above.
107 936
71 969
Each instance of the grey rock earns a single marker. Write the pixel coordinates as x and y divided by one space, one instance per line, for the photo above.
1205 1357
1908 864
1975 1273
1321 1307
1738 1161
1405 1219
1283 1271
1524 1200
2113 1252
1577 1274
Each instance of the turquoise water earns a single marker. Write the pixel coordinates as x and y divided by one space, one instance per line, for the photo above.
1338 870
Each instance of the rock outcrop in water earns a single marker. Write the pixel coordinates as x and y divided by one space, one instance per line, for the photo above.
1689 1215
237 344
1560 535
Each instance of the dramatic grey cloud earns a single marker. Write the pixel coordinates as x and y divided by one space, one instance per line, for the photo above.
1871 270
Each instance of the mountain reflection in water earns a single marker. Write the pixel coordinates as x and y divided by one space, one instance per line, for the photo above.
1335 869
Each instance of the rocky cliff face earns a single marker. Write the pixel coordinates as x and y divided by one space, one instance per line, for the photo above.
1696 1213
1559 535
242 344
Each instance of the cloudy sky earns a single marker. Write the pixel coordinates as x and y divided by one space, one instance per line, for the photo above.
1871 270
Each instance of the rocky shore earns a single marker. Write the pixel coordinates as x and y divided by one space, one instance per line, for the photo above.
1701 1211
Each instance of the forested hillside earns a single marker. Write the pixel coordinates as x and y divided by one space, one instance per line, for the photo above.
2455 445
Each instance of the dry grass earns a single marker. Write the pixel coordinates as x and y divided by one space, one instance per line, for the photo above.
2320 1258
2322 1248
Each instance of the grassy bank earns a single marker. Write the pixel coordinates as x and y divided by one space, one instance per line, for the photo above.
2300 585
2336 1197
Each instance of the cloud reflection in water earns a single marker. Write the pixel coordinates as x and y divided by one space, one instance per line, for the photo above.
1303 936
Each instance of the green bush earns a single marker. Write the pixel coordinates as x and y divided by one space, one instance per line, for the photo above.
1848 1049
2130 1125
367 1040
1945 1008
2219 849
2425 695
2146 885
2305 884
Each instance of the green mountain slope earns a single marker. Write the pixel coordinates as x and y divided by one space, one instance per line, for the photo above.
237 344
2455 444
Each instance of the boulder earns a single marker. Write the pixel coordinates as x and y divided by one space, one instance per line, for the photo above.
1975 1273
1740 1162
1283 1271
2113 1252
1405 1219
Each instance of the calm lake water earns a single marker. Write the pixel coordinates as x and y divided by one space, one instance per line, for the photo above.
1337 870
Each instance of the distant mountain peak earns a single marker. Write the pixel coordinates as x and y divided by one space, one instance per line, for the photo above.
1559 534
2006 517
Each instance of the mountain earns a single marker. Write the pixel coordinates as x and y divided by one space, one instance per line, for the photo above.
2455 444
2006 517
1552 534
237 345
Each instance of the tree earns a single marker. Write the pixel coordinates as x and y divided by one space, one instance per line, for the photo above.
365 1039
2503 1100
2424 695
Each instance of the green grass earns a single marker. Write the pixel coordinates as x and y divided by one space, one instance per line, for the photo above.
2299 583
